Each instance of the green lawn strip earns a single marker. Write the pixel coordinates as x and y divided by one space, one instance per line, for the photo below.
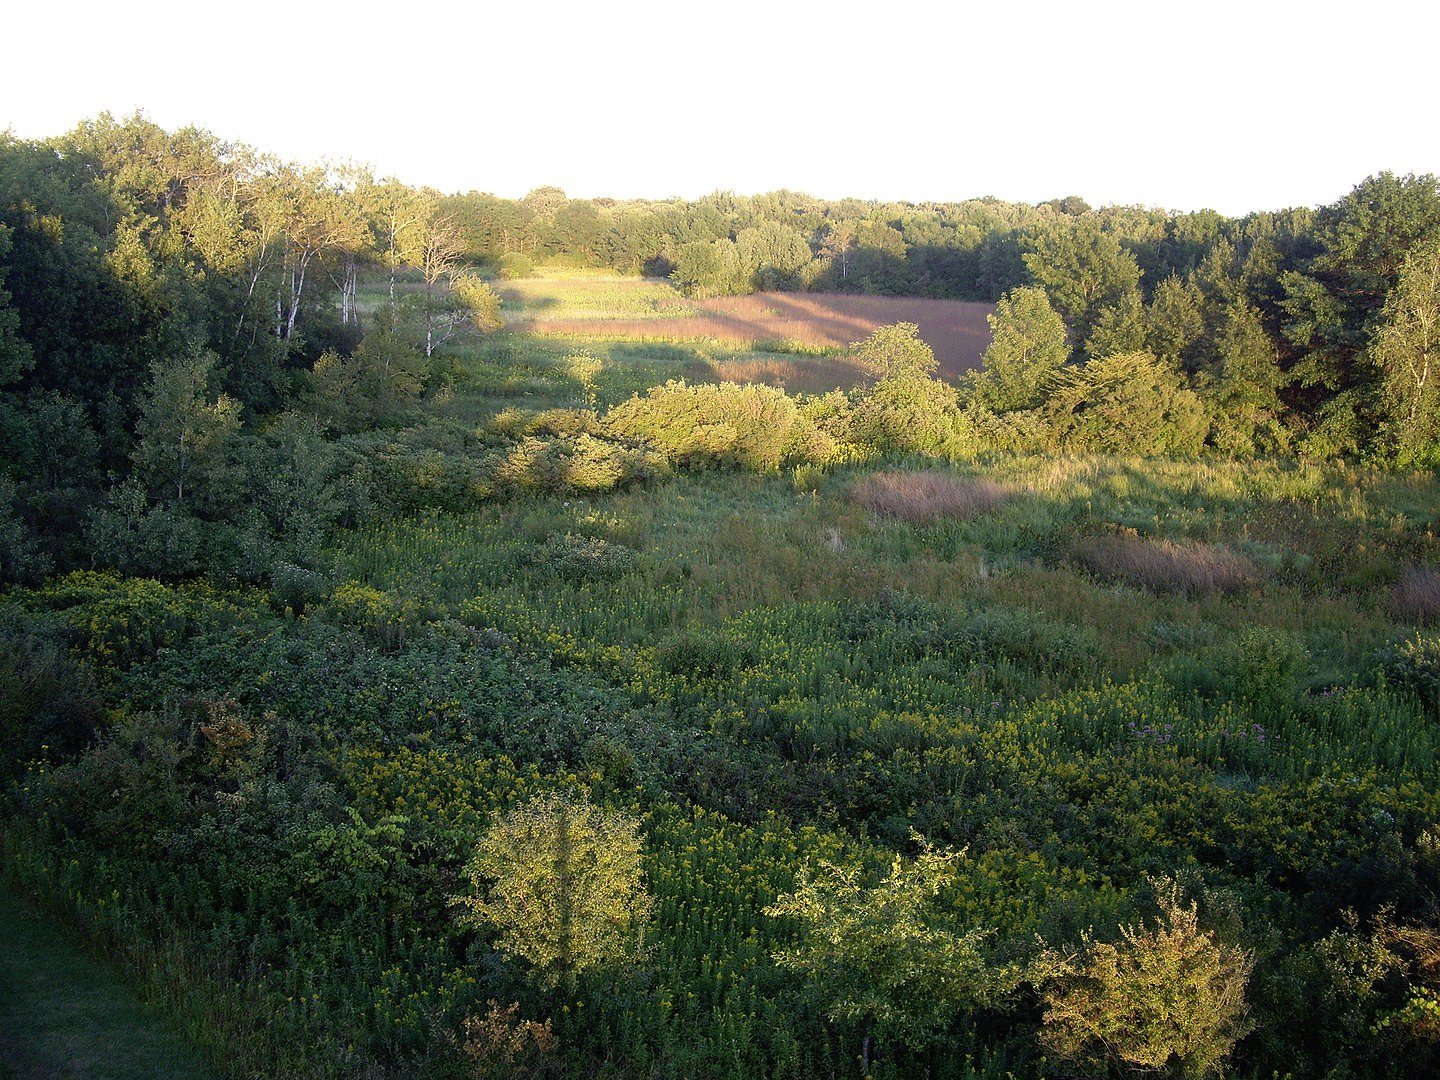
67 1013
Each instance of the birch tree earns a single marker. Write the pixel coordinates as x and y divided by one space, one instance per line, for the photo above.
1406 350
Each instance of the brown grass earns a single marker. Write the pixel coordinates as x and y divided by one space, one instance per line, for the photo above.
924 497
1417 594
955 329
1174 565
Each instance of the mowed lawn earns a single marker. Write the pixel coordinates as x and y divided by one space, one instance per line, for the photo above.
65 1013
647 310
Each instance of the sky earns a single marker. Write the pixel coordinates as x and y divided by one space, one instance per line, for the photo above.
1232 106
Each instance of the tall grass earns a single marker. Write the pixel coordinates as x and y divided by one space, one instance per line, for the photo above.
1187 565
923 497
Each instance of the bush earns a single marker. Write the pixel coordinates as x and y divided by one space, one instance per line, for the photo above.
1182 566
1414 665
1168 997
924 497
584 558
912 414
1130 403
581 464
561 880
135 537
514 265
755 427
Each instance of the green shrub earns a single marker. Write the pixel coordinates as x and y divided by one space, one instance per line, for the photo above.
912 414
513 265
1414 665
295 587
1167 997
1130 403
584 558
582 464
720 424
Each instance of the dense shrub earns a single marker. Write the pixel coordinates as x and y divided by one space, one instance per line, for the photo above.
923 497
1167 997
514 265
580 464
584 558
1414 665
912 414
1130 403
756 427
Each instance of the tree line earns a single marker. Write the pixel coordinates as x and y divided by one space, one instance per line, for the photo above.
181 322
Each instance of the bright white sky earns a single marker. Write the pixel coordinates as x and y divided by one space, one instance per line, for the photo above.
1237 106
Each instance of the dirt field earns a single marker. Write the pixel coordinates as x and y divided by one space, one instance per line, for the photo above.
956 330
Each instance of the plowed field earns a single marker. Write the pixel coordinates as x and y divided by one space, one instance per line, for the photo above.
955 329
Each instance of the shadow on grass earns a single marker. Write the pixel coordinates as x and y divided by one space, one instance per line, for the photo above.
65 1013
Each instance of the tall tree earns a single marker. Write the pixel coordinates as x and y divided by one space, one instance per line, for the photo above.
1027 347
184 431
1083 269
1405 349
1332 306
1174 321
435 246
1244 382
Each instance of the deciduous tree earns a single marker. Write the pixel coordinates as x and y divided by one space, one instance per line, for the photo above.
560 880
885 955
1406 350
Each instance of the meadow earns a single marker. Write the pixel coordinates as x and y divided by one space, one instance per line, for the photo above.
1074 672
629 309
416 665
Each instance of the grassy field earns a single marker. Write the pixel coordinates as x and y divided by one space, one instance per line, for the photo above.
65 1013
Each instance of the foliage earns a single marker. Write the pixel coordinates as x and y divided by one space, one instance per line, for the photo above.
758 427
884 954
896 351
564 887
1027 348
1405 348
1414 665
1167 997
1129 403
504 1047
379 598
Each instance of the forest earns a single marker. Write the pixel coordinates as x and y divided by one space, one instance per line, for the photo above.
392 690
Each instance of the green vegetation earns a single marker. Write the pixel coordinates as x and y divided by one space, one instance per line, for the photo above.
65 1013
396 693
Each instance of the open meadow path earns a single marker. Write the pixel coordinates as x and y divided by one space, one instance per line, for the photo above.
66 1013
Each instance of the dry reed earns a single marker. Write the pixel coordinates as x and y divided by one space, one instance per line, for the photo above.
924 497
1417 594
1166 565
